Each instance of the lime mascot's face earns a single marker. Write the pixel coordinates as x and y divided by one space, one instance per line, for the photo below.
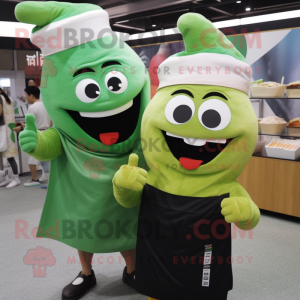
199 128
97 94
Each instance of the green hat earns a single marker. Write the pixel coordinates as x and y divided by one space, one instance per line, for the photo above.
62 25
209 59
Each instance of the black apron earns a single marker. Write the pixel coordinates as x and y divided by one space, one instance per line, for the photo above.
173 233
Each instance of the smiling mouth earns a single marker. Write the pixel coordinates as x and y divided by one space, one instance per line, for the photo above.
112 126
191 152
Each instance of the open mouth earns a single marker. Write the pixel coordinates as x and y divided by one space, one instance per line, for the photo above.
111 126
192 153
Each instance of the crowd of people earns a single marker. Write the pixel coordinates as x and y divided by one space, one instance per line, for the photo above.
8 147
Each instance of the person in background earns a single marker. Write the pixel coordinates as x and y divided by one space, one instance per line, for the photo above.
44 164
7 116
43 122
31 82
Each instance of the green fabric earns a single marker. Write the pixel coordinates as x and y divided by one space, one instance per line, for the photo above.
43 13
201 36
80 186
80 195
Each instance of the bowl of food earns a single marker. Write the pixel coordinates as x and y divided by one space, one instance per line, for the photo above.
272 125
293 90
268 89
294 127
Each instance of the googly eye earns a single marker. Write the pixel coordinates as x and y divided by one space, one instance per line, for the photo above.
214 114
179 110
116 82
88 90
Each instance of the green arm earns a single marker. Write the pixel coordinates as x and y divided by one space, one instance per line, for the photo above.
125 197
129 182
254 210
49 145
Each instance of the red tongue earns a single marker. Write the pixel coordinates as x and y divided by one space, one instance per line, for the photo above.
190 164
109 138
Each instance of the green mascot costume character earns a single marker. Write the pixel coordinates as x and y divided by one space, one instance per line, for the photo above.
95 90
205 131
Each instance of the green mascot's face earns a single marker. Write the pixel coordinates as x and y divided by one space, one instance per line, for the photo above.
96 93
196 129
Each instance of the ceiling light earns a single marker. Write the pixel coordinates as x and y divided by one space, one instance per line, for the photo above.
15 29
271 17
238 1
153 22
248 8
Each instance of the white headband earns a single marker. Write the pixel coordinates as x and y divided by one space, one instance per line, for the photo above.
205 69
71 32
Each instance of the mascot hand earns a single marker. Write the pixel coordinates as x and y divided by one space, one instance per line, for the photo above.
236 209
28 138
130 176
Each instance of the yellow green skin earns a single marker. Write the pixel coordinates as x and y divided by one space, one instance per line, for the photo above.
210 179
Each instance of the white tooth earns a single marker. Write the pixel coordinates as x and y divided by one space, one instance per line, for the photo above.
173 135
221 141
194 142
107 113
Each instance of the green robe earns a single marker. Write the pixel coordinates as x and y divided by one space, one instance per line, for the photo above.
80 208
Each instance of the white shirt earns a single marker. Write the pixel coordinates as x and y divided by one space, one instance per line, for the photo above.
41 117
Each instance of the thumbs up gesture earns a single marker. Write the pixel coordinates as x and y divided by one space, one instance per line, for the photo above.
28 138
130 176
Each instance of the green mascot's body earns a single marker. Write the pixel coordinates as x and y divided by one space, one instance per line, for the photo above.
95 93
204 130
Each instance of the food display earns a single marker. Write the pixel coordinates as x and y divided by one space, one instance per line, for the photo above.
294 123
286 149
260 144
272 125
293 89
294 127
267 89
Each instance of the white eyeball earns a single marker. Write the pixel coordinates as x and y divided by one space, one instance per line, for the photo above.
116 82
214 114
180 110
88 90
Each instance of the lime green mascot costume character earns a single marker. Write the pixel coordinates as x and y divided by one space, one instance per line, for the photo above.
205 131
95 90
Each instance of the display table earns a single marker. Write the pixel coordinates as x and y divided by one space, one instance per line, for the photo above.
273 184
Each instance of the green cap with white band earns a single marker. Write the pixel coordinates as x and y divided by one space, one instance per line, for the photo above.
209 59
62 25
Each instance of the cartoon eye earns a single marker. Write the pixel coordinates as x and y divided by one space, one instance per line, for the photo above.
116 82
180 110
214 114
88 90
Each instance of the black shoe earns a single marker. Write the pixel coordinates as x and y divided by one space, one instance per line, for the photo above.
129 279
76 291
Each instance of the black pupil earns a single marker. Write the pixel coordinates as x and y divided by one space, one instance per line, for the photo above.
211 118
91 89
114 83
182 113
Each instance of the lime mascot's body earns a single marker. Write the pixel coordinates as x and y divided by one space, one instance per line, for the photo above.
95 92
206 130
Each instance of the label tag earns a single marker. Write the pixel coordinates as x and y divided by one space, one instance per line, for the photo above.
206 276
206 265
207 254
